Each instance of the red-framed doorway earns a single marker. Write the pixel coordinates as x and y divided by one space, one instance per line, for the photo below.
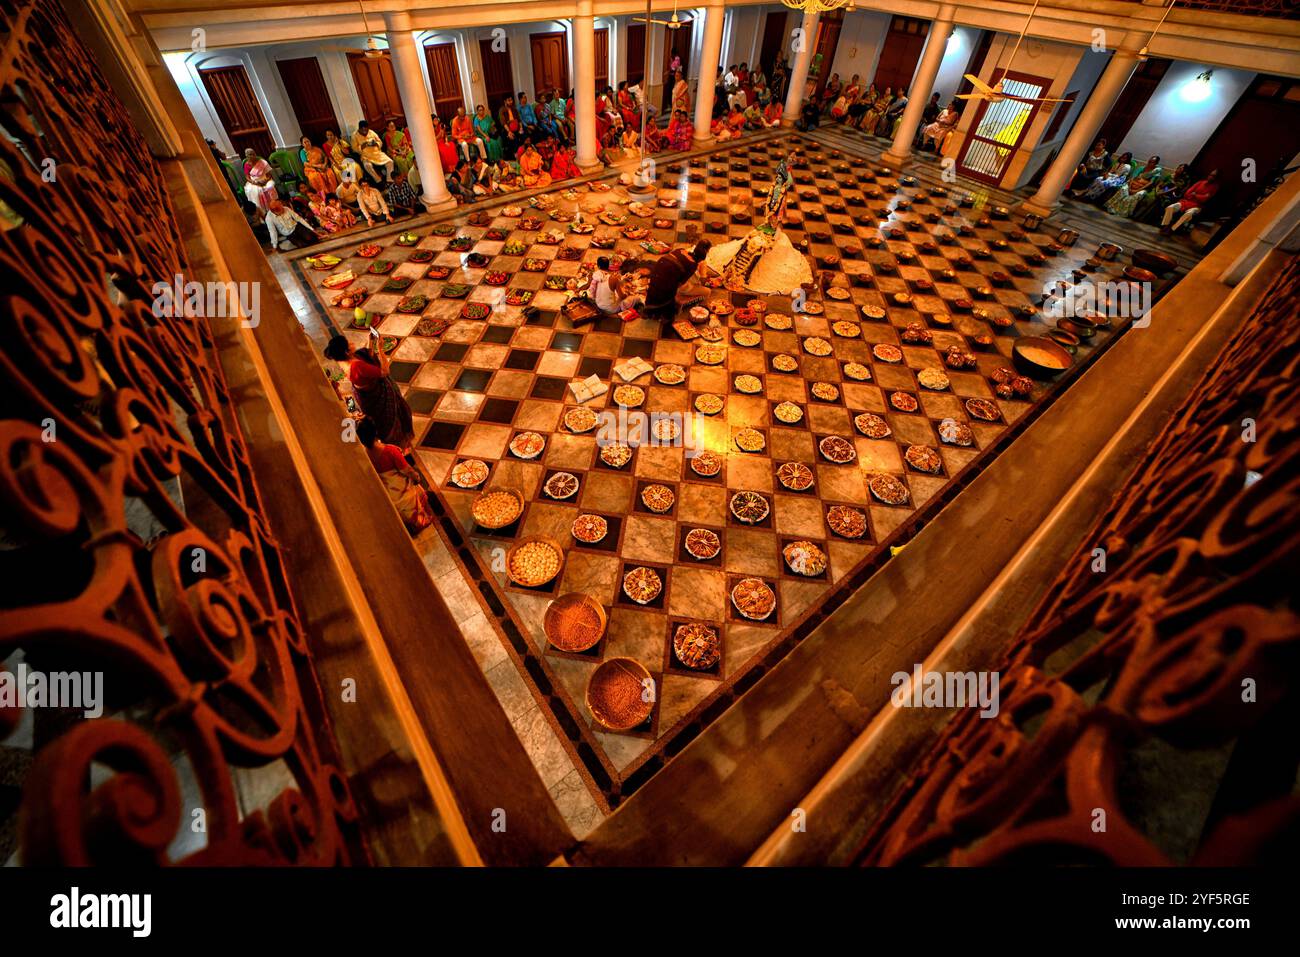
1000 127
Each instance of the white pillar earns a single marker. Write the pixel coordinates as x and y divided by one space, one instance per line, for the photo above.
799 72
714 16
419 111
922 87
1109 86
584 66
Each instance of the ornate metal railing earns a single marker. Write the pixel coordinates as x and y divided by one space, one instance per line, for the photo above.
1170 640
1287 9
135 549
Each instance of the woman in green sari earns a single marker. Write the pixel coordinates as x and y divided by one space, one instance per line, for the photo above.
397 144
1163 192
1140 180
486 128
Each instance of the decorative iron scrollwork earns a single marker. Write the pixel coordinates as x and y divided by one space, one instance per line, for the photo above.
135 543
1187 636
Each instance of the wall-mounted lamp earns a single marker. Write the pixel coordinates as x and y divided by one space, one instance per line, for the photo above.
1194 91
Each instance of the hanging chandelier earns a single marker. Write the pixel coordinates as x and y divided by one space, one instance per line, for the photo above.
818 6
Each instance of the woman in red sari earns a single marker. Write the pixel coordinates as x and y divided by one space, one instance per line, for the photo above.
627 106
563 166
681 131
376 394
605 108
400 479
654 137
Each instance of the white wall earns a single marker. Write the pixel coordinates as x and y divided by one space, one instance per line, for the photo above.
1175 128
953 66
861 39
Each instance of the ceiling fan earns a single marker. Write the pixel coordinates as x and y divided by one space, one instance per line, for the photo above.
674 23
995 93
376 44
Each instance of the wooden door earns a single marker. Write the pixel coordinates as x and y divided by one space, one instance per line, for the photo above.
1000 127
635 53
305 87
237 108
498 78
444 77
677 43
774 38
828 39
377 89
1264 126
900 53
1132 101
602 59
550 62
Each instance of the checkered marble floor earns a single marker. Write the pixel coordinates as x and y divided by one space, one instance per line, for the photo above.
906 253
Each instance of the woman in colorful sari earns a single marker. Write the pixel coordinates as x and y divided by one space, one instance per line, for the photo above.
546 150
871 119
681 93
336 151
1163 192
563 166
488 133
631 141
605 107
375 392
320 175
397 143
859 107
1116 176
627 106
531 171
1126 197
401 481
653 136
259 182
681 131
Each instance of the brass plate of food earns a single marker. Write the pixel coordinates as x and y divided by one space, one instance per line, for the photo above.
805 558
498 507
642 585
846 521
574 622
590 529
697 645
470 473
619 696
533 562
753 599
703 544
